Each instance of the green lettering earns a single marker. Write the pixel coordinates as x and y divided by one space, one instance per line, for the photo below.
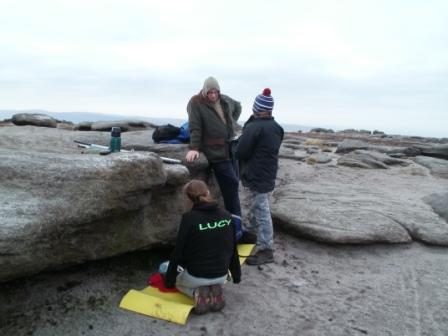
214 225
223 223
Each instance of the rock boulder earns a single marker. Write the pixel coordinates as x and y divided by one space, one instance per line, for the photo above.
34 119
437 167
344 205
61 209
439 202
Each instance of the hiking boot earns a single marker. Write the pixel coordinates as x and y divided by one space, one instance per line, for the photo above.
216 298
201 300
248 238
261 257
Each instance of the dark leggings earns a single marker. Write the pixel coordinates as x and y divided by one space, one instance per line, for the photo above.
228 183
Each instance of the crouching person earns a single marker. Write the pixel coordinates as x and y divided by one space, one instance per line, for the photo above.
206 249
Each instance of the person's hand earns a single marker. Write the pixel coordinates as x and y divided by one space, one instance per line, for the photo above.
191 155
236 280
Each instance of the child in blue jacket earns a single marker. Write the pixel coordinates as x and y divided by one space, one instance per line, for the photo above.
257 151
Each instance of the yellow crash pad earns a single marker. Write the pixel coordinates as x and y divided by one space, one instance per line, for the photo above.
174 307
244 251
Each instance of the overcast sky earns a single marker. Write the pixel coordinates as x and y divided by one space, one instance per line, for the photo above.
340 64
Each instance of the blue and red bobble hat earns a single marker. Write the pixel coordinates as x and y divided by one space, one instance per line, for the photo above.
263 102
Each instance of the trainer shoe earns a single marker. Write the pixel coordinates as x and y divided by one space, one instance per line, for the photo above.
201 300
216 298
261 257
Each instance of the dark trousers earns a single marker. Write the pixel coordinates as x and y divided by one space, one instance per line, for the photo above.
228 183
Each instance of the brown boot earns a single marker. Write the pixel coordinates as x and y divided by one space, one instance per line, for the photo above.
201 300
216 298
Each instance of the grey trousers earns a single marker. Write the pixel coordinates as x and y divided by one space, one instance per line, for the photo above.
187 283
260 221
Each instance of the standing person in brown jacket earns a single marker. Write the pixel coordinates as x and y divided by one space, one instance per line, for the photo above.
212 117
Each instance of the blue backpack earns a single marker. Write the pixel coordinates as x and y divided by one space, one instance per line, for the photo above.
176 135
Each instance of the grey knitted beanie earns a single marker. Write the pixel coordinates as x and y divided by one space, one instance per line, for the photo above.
210 84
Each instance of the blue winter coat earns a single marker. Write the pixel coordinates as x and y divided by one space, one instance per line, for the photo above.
257 151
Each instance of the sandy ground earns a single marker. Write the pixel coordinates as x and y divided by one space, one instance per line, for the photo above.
311 289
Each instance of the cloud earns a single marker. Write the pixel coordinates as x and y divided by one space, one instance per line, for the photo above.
336 63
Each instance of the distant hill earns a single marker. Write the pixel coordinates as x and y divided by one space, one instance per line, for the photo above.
77 117
295 128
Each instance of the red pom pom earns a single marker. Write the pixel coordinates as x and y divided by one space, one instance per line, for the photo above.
267 92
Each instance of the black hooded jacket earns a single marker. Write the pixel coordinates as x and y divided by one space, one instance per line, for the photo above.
257 151
205 245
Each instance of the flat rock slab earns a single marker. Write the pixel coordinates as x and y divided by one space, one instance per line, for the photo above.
348 205
439 202
349 145
125 125
319 158
53 140
436 150
437 167
370 159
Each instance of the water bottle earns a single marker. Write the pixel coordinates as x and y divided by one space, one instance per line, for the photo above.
115 140
164 267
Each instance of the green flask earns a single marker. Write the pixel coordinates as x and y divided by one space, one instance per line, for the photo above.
115 139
